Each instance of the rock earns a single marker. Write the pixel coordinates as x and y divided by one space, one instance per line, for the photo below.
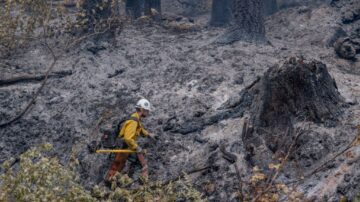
345 49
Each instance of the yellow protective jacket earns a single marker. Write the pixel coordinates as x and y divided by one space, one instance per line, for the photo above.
131 130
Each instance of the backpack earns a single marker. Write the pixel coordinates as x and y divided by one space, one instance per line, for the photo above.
111 139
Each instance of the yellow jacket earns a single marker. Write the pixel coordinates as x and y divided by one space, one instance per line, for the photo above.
131 130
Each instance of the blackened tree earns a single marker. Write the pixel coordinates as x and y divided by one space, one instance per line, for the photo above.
133 8
220 12
270 7
248 23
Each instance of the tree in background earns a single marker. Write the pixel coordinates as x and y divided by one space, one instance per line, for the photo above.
220 12
133 8
248 23
270 7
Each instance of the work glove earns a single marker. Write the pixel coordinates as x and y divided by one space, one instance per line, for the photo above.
93 146
152 136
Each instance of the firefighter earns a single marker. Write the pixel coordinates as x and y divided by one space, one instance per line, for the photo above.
129 133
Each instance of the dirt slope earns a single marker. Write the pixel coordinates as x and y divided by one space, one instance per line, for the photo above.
186 77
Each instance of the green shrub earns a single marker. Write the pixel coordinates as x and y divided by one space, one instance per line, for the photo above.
39 177
356 198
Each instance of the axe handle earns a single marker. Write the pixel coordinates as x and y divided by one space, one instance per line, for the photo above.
115 151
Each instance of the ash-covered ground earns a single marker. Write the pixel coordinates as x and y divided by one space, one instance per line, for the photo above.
187 78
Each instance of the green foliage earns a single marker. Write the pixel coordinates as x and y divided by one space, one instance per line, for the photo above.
179 190
39 177
356 198
19 20
24 21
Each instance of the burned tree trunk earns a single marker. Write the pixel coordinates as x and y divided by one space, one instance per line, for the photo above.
248 22
133 8
270 7
221 12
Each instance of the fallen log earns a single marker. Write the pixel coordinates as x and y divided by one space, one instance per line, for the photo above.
33 78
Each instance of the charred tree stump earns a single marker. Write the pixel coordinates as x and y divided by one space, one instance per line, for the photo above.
220 13
248 23
294 92
298 89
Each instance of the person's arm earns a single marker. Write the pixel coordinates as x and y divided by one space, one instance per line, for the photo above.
129 134
144 132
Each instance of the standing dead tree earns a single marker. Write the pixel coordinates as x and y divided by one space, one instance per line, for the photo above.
220 12
195 7
133 8
270 7
248 23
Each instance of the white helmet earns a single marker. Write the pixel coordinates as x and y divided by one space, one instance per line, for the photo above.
144 104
